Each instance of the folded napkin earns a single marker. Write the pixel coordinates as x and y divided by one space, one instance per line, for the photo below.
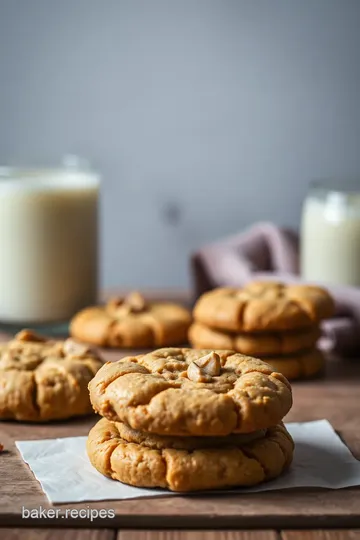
269 253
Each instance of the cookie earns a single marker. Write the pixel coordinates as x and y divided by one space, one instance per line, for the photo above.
299 366
43 380
260 344
186 392
264 307
132 322
140 465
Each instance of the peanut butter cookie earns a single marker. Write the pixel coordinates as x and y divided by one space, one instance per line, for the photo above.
43 380
132 322
238 464
299 366
264 307
191 392
260 344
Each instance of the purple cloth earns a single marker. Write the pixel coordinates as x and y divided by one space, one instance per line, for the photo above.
266 252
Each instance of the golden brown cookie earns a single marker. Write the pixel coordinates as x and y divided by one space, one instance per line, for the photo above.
43 380
299 366
264 307
139 465
260 344
191 392
132 322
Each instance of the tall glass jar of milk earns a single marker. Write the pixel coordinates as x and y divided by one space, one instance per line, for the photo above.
48 244
330 233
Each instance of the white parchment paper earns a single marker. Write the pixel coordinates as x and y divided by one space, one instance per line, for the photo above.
66 475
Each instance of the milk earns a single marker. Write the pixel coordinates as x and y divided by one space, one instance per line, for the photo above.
48 244
330 238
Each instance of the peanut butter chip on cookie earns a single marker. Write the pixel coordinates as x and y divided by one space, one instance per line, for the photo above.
74 348
122 307
210 363
196 374
29 335
204 368
136 302
1 447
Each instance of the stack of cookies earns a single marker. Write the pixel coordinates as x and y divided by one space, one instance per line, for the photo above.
187 420
275 322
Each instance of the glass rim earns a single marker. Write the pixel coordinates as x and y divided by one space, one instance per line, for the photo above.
336 184
47 178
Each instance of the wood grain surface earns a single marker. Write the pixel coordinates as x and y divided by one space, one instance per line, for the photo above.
107 534
197 535
321 535
335 397
60 534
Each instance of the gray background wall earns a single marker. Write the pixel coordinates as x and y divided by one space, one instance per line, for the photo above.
203 116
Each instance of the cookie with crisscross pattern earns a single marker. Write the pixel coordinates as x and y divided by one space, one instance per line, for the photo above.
264 306
191 392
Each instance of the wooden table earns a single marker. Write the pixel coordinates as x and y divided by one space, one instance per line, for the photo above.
263 516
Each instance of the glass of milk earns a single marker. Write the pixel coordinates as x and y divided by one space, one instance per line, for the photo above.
48 244
330 232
